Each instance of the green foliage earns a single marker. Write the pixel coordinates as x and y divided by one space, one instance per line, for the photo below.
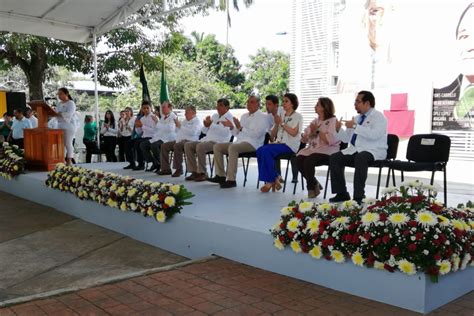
268 72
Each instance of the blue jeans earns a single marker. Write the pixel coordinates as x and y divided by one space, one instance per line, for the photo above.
266 160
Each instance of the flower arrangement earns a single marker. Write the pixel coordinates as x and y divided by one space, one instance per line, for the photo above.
12 161
160 201
407 230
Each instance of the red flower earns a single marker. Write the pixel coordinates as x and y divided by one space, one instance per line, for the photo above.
282 239
377 241
437 242
437 257
416 199
282 225
299 215
353 226
406 232
386 239
328 242
370 259
334 212
412 223
436 208
347 237
367 236
356 239
433 270
419 236
412 247
383 217
395 251
388 267
291 235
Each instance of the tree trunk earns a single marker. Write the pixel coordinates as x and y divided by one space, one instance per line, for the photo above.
36 70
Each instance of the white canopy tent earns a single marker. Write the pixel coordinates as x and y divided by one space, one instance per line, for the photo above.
73 20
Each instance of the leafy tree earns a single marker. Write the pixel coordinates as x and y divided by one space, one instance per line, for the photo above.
268 72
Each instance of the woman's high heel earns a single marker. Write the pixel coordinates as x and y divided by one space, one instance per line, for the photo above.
277 185
266 188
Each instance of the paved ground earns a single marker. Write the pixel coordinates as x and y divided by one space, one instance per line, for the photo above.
218 287
44 250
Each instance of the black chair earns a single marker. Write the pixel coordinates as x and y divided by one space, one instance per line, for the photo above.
248 156
211 162
426 152
392 143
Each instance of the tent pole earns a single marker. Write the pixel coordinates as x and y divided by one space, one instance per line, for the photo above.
96 94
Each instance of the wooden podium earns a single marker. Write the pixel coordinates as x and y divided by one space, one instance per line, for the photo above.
44 147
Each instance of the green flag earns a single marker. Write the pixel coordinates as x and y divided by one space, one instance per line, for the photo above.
164 95
145 92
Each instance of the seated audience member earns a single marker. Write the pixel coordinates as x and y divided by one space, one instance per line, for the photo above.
216 132
188 131
165 131
5 127
19 124
250 133
273 109
31 117
320 136
109 133
90 137
286 134
366 135
145 126
130 152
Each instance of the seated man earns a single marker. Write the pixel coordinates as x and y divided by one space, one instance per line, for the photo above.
144 126
165 131
188 131
215 132
366 136
250 133
19 124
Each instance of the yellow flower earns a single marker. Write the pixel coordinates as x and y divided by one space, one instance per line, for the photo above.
305 207
457 224
426 218
175 189
324 207
349 204
340 221
398 219
357 259
112 203
133 206
278 245
150 212
406 267
295 246
123 206
443 221
286 210
471 223
170 201
293 225
113 187
132 192
161 216
337 256
121 190
370 218
312 225
316 252
378 265
154 198
145 195
102 183
444 267
15 167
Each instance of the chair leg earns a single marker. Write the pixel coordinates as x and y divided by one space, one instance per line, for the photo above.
403 175
378 183
286 175
445 185
294 186
211 163
393 178
326 185
388 177
246 169
432 177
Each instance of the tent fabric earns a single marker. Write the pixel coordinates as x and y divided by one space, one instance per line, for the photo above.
69 20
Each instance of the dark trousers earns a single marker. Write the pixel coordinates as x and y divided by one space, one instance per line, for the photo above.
19 142
307 166
360 161
151 151
91 148
110 142
136 146
121 146
127 148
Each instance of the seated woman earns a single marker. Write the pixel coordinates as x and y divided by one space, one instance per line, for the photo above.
320 137
286 136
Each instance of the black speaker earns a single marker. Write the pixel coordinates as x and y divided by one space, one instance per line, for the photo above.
16 100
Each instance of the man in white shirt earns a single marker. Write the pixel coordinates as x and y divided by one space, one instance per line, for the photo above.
271 105
30 116
215 132
366 136
188 131
165 131
19 124
250 133
145 126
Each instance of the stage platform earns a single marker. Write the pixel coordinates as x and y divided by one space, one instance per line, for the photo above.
234 223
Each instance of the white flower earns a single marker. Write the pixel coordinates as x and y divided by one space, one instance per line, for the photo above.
175 189
465 261
389 190
337 256
324 207
379 265
370 218
340 221
277 243
293 224
426 252
357 259
456 261
312 225
160 216
444 266
286 210
170 200
407 267
276 227
426 218
398 219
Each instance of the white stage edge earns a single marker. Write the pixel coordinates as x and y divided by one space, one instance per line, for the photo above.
235 224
